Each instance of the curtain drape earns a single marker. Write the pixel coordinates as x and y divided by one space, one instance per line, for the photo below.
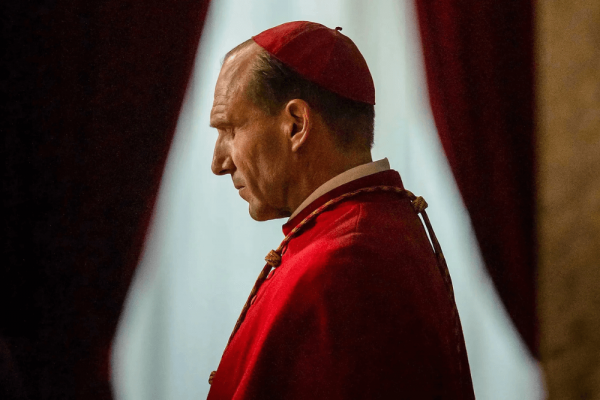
479 64
93 92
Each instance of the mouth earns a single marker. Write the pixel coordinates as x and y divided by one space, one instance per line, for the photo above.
241 191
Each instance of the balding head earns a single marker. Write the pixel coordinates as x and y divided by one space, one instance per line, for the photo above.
237 66
271 84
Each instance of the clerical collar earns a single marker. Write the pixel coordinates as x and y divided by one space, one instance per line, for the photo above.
343 178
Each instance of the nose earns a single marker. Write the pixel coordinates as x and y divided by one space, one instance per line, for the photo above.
222 164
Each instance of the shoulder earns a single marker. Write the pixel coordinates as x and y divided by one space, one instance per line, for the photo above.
376 242
357 264
376 226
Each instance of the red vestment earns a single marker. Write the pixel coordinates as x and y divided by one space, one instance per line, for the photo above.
358 309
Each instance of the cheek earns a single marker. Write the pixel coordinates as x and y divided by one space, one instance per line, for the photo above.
258 158
244 154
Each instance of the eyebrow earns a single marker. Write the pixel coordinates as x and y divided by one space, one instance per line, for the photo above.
219 117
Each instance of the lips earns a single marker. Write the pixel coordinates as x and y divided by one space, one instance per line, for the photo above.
241 191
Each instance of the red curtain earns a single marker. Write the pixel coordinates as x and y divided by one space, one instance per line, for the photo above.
94 91
479 64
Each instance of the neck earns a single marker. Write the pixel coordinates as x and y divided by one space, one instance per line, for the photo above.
321 169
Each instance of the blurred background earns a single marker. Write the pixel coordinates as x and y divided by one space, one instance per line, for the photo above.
127 262
204 252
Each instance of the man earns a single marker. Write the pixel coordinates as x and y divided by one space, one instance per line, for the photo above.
354 303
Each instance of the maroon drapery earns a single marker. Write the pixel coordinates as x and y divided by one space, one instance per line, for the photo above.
479 64
93 95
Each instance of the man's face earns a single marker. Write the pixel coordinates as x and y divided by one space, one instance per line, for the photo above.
251 145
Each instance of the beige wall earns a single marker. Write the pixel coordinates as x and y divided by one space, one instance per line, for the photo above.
568 73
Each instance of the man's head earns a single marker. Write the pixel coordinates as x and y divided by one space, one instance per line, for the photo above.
280 134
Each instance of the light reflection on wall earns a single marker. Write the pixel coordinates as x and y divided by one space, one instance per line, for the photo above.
204 252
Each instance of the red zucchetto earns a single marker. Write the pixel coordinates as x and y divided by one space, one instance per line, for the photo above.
321 55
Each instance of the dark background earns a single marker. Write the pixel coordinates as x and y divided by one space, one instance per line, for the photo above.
92 92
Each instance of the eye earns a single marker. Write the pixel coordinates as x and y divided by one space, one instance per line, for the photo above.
226 132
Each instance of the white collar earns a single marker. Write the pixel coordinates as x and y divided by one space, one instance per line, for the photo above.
347 176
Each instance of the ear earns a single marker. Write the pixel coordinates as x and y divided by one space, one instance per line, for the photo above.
299 118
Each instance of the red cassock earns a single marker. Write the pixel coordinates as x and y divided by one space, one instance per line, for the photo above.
358 309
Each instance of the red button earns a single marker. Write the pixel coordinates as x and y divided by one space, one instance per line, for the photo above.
252 301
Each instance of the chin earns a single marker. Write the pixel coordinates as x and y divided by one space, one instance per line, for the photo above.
266 213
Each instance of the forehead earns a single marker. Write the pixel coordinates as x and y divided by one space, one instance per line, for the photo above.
230 86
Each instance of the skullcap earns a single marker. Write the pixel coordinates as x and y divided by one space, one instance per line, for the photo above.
321 55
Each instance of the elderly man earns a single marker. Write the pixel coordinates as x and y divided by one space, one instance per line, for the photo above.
354 304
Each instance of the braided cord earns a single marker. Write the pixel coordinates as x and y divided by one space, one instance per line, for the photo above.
273 259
